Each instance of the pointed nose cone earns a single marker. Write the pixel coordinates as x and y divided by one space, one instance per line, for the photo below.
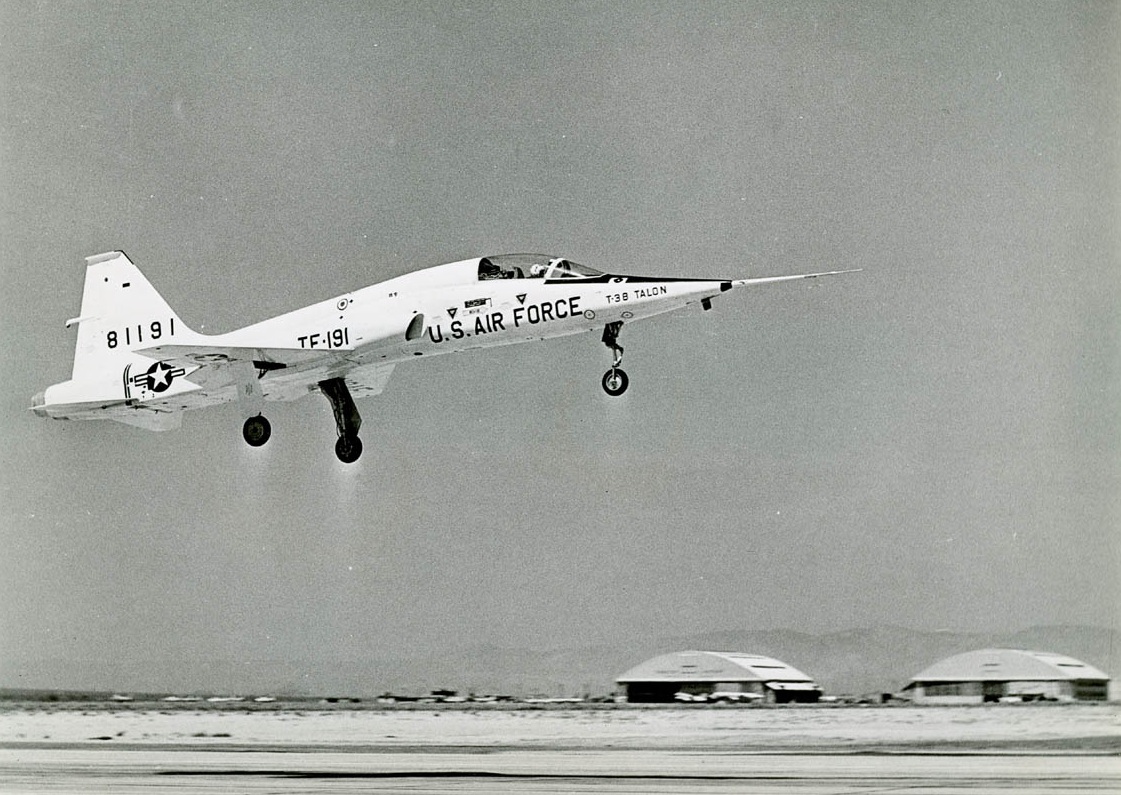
37 403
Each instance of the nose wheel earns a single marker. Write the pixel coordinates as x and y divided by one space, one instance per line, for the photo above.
615 380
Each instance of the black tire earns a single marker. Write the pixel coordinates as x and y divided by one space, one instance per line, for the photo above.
615 381
348 449
256 431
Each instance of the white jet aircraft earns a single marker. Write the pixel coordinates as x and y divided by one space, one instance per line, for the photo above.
136 362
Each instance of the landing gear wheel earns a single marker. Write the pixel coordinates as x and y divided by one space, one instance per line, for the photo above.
348 449
256 431
615 381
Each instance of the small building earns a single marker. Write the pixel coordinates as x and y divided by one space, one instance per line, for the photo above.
715 676
995 674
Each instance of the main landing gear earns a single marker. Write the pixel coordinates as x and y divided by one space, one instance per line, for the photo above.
348 447
256 429
347 420
615 381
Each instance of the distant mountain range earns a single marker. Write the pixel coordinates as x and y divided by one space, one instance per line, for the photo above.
858 661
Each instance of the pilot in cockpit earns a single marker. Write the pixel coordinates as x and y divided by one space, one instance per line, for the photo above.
488 270
537 271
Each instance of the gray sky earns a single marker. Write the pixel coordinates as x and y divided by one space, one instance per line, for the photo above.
934 442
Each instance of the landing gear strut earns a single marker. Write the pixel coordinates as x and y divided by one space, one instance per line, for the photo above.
347 420
615 380
256 431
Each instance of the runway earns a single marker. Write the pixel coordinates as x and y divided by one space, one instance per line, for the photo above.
105 770
183 750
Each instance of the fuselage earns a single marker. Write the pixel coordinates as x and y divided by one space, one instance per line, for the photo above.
460 312
474 303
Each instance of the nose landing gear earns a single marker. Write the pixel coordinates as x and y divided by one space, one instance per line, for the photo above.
348 448
615 380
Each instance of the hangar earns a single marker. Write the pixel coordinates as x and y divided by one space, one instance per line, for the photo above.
716 676
995 674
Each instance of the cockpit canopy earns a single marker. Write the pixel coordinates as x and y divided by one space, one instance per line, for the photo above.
532 266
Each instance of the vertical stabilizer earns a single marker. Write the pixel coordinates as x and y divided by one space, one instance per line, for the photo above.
121 311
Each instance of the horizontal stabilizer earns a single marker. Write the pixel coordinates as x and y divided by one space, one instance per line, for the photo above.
150 420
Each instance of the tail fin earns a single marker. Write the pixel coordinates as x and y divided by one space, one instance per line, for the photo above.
121 311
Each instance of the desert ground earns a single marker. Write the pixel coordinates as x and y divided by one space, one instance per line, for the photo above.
1055 748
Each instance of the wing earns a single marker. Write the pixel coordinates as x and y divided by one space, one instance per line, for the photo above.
234 349
368 380
283 373
202 355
